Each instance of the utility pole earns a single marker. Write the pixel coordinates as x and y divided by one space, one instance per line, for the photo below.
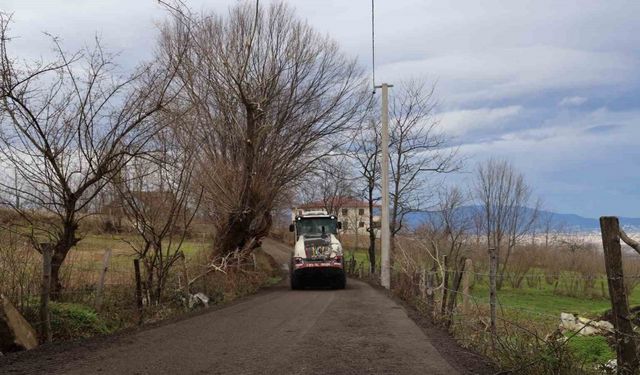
385 271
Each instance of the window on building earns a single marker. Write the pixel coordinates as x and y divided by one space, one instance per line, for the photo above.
361 224
361 211
345 211
345 225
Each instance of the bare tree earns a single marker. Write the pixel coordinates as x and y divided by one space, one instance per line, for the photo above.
367 157
506 206
451 222
417 146
269 97
331 183
161 203
67 128
550 227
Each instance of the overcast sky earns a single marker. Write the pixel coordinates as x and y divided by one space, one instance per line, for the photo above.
552 86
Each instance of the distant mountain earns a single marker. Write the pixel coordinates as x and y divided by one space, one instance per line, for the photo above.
567 222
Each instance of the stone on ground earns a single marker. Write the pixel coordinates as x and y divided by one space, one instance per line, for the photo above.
15 332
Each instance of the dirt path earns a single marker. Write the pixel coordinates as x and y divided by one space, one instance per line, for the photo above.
353 331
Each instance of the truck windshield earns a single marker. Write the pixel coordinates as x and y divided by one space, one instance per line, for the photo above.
314 226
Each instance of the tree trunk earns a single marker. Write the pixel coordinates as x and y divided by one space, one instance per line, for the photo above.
248 221
60 251
503 269
240 228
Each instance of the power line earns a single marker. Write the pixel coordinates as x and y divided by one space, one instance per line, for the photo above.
373 45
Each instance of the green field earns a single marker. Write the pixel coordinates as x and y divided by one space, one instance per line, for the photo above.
119 244
89 252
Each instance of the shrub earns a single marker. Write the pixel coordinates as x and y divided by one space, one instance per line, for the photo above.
71 320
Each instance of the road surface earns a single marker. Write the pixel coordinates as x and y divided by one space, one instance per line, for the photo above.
358 330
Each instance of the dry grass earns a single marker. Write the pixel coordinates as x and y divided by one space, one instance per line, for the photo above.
76 313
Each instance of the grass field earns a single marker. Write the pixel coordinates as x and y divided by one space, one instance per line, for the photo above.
543 303
92 247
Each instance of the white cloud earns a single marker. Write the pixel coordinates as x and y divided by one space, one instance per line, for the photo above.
460 122
572 101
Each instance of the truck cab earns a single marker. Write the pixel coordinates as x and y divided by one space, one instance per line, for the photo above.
317 254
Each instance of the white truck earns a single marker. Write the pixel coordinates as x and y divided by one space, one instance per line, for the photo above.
317 254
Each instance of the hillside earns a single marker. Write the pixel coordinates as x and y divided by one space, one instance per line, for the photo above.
564 221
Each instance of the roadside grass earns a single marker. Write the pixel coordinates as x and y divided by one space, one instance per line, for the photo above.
361 255
541 306
73 320
591 349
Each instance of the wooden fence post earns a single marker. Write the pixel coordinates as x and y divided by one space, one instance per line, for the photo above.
423 283
625 338
45 317
430 293
254 260
445 286
455 287
468 268
103 275
493 270
136 267
185 275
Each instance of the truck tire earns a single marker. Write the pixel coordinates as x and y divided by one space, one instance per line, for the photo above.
340 282
295 282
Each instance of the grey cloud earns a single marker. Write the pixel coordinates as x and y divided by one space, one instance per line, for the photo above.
598 129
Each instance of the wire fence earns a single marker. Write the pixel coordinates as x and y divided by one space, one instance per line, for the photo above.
101 294
529 333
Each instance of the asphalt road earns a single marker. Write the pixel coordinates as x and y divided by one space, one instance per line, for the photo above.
358 330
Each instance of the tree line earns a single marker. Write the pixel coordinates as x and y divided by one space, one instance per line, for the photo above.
235 116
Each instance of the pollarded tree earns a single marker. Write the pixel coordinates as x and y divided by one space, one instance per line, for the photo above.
67 128
269 98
